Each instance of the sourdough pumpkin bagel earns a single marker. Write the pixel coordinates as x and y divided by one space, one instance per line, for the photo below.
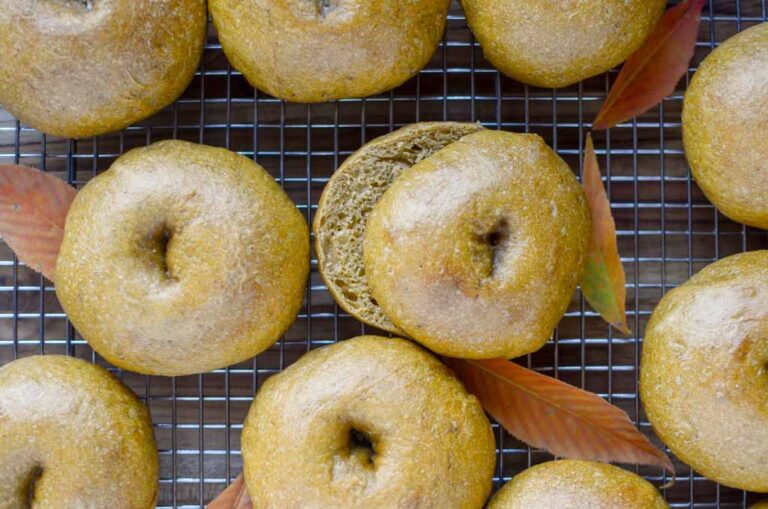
369 423
703 379
181 259
70 67
725 127
576 484
72 435
321 50
475 251
348 199
555 43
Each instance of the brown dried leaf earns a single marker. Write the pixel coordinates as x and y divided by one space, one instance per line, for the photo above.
652 72
33 209
603 282
552 415
234 497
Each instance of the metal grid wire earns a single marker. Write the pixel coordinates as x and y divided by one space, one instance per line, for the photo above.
667 231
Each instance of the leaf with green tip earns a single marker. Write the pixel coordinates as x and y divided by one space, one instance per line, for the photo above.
603 282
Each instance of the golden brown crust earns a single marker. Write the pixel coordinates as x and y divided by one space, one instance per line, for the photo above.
75 436
555 43
475 251
431 444
348 199
181 259
320 50
703 380
70 67
725 127
576 484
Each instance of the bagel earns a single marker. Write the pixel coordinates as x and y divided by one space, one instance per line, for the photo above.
476 250
70 67
73 435
321 50
181 259
702 380
370 423
725 127
577 484
558 43
347 200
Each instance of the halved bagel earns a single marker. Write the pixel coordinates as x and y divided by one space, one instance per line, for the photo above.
350 196
476 250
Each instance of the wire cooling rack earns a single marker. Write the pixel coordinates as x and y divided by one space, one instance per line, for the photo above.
667 231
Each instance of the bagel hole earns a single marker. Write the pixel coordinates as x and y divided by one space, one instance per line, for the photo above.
34 478
164 240
497 239
83 4
323 7
499 234
361 446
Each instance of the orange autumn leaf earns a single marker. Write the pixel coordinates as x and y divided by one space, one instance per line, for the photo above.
550 414
652 72
234 497
603 281
33 208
